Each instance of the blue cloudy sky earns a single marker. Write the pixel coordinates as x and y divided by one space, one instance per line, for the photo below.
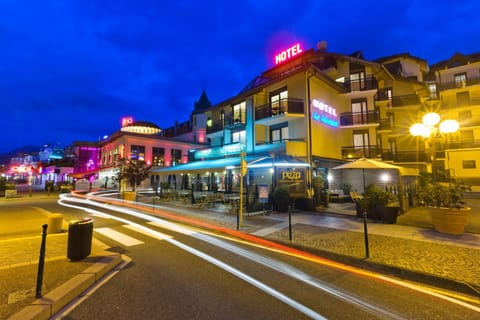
71 69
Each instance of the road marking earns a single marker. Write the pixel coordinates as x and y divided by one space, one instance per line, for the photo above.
173 227
148 232
119 237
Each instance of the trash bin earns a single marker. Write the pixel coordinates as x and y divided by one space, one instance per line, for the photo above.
79 239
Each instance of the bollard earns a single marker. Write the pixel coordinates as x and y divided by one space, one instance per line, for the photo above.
41 262
365 231
55 221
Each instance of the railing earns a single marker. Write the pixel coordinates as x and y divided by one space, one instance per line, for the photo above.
405 100
357 152
462 103
369 83
295 106
385 124
219 125
357 118
405 156
458 85
463 144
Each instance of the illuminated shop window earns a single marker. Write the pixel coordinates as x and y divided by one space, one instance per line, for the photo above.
176 156
158 157
137 153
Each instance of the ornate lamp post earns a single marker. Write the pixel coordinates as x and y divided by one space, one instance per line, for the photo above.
432 128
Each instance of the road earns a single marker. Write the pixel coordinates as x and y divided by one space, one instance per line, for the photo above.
177 272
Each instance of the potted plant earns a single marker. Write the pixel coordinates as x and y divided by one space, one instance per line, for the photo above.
133 172
380 204
447 208
281 199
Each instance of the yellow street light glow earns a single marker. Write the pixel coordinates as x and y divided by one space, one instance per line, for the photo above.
431 119
449 126
420 129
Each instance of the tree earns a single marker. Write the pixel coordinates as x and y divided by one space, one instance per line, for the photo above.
133 172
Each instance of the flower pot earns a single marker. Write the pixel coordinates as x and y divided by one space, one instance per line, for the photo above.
130 195
389 214
450 220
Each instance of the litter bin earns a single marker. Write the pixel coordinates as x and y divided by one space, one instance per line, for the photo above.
79 239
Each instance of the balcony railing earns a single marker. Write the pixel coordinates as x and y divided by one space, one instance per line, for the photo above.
405 156
369 83
357 152
358 118
385 124
219 125
458 85
399 101
463 144
295 106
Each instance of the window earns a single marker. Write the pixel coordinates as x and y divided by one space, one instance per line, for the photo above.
238 137
433 90
361 143
359 111
460 80
357 81
279 133
158 157
469 164
239 112
463 98
279 102
176 156
137 153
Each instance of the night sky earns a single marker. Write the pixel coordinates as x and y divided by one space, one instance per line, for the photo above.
71 69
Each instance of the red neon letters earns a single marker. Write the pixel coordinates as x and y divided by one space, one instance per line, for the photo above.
288 54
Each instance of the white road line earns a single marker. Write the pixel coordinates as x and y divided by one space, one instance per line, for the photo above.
148 232
119 237
173 227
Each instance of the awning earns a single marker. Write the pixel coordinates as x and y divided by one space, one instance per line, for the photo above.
280 161
203 166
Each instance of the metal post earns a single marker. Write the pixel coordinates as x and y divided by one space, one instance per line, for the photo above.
290 208
41 262
365 231
238 214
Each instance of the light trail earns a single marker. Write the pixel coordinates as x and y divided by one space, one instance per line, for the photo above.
269 245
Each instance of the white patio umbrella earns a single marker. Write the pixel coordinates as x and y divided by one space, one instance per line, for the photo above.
367 164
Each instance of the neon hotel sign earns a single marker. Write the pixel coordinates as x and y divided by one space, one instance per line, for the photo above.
324 113
288 53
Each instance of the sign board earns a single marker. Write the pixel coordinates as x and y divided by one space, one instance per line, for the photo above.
82 185
263 193
288 53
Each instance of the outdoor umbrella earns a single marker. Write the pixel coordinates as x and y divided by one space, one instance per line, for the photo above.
368 164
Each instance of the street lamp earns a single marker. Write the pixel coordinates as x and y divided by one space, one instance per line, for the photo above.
432 128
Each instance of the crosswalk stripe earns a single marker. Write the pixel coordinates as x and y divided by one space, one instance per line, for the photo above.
173 227
148 232
118 237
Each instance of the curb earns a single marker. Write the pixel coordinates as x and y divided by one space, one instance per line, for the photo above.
48 305
401 273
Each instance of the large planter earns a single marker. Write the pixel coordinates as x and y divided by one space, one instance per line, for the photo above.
389 214
450 221
130 195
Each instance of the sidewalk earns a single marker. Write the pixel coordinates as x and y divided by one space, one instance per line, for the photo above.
410 249
20 242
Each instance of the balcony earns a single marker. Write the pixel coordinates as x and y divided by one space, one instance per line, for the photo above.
369 83
219 125
357 152
405 156
458 85
385 125
348 119
404 101
280 112
463 144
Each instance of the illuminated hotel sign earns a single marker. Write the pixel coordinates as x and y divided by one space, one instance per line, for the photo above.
288 54
324 113
126 121
218 151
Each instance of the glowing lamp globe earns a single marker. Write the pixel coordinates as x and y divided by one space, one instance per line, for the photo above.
449 126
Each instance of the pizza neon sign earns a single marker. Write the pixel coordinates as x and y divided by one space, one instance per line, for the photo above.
288 53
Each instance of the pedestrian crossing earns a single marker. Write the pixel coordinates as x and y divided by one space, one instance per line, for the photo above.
129 241
119 237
